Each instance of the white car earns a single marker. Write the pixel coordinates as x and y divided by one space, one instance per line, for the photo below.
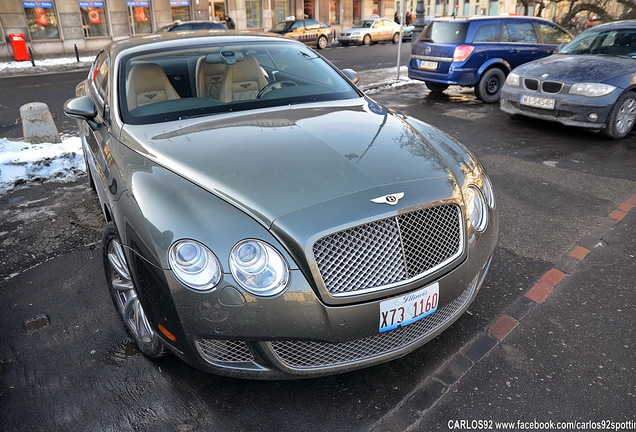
371 30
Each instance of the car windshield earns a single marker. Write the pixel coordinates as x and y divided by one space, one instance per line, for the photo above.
172 84
616 42
444 32
282 26
363 24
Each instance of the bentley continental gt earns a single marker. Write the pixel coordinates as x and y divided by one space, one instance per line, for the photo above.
264 218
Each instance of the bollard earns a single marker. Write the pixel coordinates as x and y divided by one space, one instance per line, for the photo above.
31 57
76 53
37 124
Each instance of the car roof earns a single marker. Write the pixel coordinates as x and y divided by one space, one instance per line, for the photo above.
493 18
189 38
628 24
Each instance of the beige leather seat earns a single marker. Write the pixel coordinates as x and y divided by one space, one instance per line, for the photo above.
209 77
242 80
148 83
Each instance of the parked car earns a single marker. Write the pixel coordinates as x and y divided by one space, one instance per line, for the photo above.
371 30
281 224
308 31
589 83
479 52
192 25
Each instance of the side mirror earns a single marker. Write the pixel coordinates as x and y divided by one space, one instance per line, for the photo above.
352 75
80 108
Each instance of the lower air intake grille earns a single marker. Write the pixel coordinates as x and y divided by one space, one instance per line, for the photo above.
225 351
312 354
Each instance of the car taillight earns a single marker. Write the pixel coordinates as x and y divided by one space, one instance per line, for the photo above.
462 52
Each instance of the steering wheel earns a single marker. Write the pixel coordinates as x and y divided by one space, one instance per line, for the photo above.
274 86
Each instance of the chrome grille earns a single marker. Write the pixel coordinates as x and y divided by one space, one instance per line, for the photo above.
312 354
217 350
373 256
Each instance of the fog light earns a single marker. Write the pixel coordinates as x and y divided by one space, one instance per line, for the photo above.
592 116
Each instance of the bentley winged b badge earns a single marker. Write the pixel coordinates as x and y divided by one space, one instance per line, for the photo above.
391 199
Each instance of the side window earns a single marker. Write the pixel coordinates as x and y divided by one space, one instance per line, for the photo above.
519 33
552 35
488 33
99 78
297 25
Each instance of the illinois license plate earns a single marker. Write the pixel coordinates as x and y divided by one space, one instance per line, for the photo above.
537 102
404 310
428 64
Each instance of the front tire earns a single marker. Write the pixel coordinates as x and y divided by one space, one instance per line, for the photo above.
366 40
124 295
488 89
322 42
396 38
621 119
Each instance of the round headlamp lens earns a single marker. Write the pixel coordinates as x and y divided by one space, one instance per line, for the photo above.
259 268
194 264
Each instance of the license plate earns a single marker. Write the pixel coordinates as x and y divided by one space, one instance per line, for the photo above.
404 310
428 64
537 102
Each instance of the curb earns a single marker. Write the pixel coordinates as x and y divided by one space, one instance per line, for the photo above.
404 417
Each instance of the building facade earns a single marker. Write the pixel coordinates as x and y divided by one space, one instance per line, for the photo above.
58 28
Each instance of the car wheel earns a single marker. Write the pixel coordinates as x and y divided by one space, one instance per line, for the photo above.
622 117
367 40
488 89
322 42
124 294
396 38
436 87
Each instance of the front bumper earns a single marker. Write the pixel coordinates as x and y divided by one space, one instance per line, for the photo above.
296 334
350 38
569 110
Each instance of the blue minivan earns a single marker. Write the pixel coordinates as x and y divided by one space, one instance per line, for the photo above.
479 52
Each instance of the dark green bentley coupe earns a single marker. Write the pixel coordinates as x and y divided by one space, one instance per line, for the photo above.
266 219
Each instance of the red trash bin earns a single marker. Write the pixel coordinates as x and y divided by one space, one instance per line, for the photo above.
18 43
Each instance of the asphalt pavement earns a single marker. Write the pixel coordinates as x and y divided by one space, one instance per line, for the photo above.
560 357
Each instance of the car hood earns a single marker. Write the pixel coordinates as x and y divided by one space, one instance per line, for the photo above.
273 162
577 68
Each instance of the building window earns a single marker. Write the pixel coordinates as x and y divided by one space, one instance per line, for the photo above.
494 8
308 8
253 12
93 18
217 10
281 10
466 8
180 10
357 10
334 11
139 17
41 20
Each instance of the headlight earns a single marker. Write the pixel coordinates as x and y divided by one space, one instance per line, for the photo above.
355 34
591 89
512 79
476 208
259 268
194 264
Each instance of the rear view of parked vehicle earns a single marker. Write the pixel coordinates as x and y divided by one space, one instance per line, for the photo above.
480 52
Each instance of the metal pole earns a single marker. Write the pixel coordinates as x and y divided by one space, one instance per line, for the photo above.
420 19
403 7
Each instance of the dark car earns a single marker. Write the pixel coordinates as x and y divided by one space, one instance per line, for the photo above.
192 25
479 52
280 224
307 31
589 83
